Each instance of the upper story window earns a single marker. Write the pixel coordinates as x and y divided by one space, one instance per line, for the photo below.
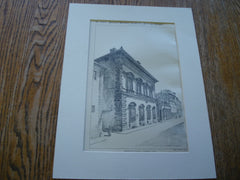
148 90
151 91
145 89
129 82
139 86
95 75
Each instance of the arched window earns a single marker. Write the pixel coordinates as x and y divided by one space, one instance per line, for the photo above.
141 115
148 108
154 113
132 114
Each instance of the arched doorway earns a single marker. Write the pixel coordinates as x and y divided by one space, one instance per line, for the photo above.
154 114
132 115
141 115
148 109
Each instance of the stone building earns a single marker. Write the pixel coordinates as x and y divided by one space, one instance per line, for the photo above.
168 105
122 90
123 95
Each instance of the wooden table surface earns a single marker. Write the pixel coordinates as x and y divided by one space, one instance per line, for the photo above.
31 57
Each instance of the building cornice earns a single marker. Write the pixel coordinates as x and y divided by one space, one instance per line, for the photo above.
135 63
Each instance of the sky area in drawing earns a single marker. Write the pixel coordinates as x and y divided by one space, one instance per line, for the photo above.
154 45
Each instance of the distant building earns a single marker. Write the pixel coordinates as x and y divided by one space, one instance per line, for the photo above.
124 95
168 105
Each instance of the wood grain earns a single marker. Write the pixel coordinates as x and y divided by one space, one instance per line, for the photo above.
32 37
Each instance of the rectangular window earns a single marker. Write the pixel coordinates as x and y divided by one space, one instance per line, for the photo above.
129 84
93 108
138 88
95 75
144 90
150 92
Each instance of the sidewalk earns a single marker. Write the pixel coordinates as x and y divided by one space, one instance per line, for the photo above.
140 128
130 139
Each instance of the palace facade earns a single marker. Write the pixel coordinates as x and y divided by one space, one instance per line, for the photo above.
123 94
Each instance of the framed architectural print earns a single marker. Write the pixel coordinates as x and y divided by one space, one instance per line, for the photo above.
132 101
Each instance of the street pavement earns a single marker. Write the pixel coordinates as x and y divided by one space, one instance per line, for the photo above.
172 139
165 136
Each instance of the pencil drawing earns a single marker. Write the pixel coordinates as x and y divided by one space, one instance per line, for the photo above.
126 111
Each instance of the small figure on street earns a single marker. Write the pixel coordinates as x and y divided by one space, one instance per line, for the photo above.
107 120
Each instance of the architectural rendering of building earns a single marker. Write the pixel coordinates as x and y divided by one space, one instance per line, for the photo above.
124 97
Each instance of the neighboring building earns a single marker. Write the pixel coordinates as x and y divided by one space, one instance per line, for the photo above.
168 105
123 94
